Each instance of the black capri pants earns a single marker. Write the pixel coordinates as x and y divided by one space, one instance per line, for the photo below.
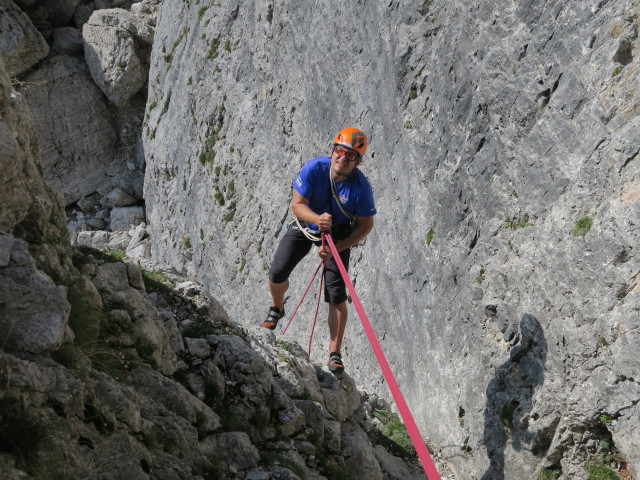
293 247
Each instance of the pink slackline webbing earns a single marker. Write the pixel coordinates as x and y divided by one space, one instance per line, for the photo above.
405 413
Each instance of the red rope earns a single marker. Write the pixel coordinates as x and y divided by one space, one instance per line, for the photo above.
303 295
405 413
315 317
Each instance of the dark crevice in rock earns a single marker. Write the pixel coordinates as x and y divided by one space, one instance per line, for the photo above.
624 54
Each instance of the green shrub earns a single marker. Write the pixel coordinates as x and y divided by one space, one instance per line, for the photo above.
207 156
156 281
582 226
605 418
106 359
286 346
600 472
71 356
181 37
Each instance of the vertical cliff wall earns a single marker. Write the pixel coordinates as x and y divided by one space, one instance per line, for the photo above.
502 273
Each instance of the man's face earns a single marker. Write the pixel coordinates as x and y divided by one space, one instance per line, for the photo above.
344 160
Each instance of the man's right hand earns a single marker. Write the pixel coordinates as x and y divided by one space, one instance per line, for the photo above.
324 222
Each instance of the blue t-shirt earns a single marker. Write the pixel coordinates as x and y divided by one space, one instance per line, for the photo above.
354 192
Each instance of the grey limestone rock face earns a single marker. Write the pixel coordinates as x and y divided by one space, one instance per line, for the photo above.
504 160
76 131
26 198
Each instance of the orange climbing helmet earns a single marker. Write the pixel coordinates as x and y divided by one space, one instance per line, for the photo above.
352 138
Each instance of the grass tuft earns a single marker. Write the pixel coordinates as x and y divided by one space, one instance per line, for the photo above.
600 472
582 226
395 433
424 8
548 474
199 329
156 281
24 433
428 238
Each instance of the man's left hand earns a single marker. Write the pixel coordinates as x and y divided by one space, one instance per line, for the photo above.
325 253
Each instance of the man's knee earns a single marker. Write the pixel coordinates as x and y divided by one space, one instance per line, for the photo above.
277 277
341 306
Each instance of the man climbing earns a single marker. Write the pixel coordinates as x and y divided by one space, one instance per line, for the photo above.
330 195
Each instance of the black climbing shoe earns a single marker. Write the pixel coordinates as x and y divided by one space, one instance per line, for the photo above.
335 363
272 318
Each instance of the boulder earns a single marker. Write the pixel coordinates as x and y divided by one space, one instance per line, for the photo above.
33 310
76 132
115 42
117 197
360 460
174 397
340 395
394 468
124 218
21 45
237 450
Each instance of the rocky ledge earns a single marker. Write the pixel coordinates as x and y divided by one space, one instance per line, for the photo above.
141 375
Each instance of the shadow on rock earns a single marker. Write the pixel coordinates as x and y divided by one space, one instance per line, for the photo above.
509 397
